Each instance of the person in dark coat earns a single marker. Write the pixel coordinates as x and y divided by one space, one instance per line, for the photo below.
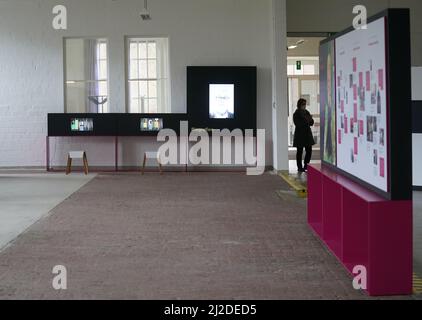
303 137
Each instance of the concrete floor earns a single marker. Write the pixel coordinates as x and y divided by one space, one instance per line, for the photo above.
98 241
177 236
25 198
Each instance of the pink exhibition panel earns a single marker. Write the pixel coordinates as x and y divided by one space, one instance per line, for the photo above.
363 229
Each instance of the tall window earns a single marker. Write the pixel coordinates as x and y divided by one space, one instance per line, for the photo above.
148 75
86 76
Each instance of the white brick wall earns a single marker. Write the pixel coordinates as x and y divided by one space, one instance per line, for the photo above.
201 32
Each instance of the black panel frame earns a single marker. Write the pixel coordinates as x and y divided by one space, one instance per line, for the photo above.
111 124
399 108
417 116
245 80
105 124
128 125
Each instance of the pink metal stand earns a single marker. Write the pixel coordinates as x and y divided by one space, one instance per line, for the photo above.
362 228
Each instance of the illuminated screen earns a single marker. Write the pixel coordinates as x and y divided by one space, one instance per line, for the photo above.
151 124
221 101
82 125
361 93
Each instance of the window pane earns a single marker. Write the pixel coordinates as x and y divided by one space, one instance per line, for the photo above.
142 50
102 88
152 69
133 89
151 55
86 63
309 69
152 50
75 59
298 72
134 69
152 89
105 108
103 51
103 70
143 88
290 70
133 50
153 107
134 106
143 105
75 97
143 69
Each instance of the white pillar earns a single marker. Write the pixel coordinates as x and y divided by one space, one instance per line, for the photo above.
279 89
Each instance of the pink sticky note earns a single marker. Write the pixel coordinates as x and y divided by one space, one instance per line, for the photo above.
355 110
354 64
368 81
339 136
346 125
355 92
360 79
356 146
381 79
361 127
382 167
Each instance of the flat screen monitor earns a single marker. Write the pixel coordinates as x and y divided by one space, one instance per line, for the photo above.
82 125
221 105
151 124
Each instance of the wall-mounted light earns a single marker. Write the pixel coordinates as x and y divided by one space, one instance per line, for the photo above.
145 15
297 44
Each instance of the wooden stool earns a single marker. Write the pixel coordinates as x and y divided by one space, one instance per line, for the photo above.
76 155
152 155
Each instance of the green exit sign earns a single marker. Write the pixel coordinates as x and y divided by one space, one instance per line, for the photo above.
298 65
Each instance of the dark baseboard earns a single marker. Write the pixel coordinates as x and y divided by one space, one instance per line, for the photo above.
181 168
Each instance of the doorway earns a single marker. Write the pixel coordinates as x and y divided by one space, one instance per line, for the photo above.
304 86
303 82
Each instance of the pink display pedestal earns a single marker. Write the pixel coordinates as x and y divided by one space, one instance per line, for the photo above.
362 228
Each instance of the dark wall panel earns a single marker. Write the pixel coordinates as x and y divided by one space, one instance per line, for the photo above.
245 96
417 116
59 124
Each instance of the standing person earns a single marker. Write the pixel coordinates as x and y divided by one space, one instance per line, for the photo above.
303 135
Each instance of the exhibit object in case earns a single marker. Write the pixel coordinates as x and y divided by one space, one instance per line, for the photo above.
151 124
360 199
82 125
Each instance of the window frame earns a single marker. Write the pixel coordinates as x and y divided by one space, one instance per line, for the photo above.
66 81
158 77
